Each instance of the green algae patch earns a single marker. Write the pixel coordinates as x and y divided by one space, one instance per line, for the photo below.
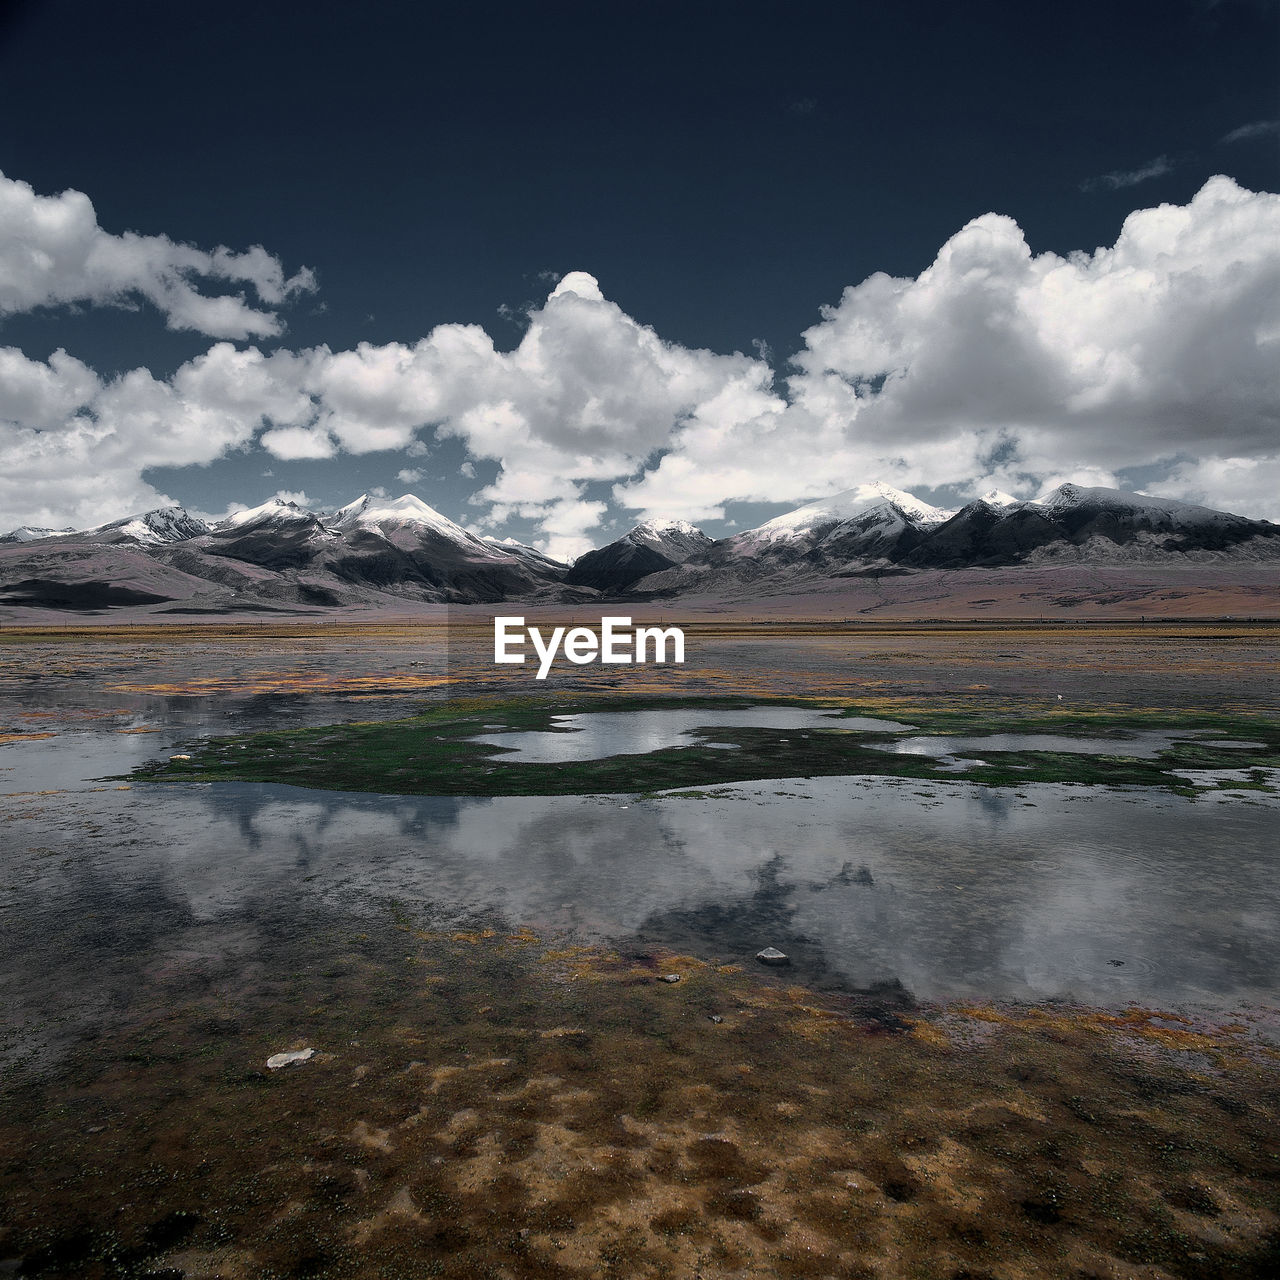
488 1102
433 753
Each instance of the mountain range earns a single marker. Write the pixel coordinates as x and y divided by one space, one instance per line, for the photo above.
379 552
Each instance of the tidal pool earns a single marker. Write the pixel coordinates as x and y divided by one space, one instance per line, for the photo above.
596 735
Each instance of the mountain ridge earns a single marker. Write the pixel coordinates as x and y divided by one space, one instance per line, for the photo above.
377 550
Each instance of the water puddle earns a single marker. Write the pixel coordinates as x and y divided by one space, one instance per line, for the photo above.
1141 746
75 760
597 735
950 889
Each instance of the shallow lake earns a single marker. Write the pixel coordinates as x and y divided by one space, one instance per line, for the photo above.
947 888
951 889
596 735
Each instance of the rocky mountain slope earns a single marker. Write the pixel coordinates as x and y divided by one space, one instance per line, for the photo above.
371 552
376 552
646 549
877 530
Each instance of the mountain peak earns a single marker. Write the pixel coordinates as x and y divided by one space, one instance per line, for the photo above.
846 506
156 527
1069 497
998 498
667 526
673 538
276 510
31 533
407 509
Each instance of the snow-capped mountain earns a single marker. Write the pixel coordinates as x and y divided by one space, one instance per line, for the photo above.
375 512
649 548
154 528
376 551
513 547
876 529
1076 504
273 512
869 524
998 498
1105 526
867 506
31 533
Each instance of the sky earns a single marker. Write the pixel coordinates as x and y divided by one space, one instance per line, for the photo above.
559 267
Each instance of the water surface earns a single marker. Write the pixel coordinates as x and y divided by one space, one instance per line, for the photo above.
1103 895
596 735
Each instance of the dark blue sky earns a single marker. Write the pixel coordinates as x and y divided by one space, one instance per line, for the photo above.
724 169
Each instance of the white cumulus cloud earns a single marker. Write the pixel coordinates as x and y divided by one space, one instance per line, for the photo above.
1000 366
996 366
53 252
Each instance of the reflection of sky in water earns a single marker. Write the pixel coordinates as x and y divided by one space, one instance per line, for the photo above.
73 759
949 888
595 735
1145 746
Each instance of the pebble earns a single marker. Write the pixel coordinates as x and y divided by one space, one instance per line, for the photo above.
278 1060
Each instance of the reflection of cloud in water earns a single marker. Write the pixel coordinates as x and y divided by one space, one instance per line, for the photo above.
996 802
595 735
1144 746
967 890
973 890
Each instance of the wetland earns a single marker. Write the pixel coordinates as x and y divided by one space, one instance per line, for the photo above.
1025 882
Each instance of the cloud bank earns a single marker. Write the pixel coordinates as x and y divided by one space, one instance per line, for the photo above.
53 252
997 367
994 367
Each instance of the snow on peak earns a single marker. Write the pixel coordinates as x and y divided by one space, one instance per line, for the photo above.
163 525
669 537
846 506
660 527
276 510
407 509
516 547
30 533
998 498
1171 510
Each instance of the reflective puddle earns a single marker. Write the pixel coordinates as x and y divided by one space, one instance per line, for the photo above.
597 735
1104 895
1143 746
947 888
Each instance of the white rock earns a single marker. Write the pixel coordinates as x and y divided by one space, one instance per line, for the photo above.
278 1060
771 955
